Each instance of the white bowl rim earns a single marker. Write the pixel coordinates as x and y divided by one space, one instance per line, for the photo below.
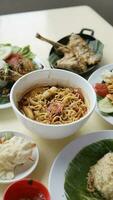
51 125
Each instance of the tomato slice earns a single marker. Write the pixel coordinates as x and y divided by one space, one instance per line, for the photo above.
101 89
13 59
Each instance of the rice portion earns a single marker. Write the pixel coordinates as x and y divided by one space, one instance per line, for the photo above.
100 176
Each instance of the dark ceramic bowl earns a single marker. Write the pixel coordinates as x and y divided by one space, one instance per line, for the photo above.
54 56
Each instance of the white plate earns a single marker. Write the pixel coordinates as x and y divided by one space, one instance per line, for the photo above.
41 65
24 170
61 163
96 77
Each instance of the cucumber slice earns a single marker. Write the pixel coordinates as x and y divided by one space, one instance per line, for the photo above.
5 52
105 105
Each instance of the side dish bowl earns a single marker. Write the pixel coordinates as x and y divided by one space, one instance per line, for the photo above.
52 78
98 77
26 189
9 152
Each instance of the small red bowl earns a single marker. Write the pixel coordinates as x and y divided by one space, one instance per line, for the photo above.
26 188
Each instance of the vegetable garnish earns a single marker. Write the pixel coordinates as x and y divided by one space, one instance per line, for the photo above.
104 91
14 63
101 89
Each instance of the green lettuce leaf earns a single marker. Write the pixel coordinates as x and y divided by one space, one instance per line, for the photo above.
25 51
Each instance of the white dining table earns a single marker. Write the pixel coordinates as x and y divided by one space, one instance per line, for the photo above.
20 29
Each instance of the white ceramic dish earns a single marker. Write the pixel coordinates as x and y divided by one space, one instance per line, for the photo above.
23 170
97 78
6 105
40 65
52 77
61 163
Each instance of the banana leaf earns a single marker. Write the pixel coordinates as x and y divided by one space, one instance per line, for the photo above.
76 175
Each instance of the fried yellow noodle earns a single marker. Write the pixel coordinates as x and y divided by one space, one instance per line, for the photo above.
53 105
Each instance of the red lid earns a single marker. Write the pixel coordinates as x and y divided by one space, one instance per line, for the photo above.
26 189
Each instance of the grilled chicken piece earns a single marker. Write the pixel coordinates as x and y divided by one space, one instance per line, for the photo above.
80 55
56 45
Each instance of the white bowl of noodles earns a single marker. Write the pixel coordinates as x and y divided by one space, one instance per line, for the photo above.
64 84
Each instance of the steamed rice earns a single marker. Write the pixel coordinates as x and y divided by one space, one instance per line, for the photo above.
100 176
